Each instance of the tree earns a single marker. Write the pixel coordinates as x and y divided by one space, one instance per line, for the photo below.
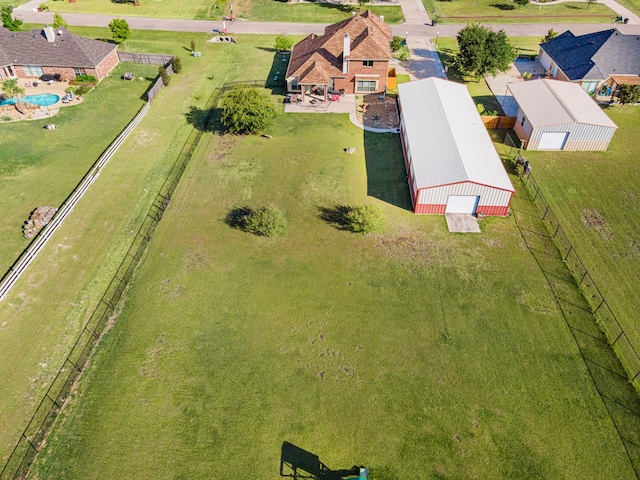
176 64
12 89
164 75
591 2
521 3
120 30
58 21
483 51
628 94
396 43
551 34
193 46
362 3
8 21
283 43
247 110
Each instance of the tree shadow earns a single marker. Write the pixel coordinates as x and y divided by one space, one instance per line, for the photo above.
503 6
386 172
336 216
197 118
293 459
239 217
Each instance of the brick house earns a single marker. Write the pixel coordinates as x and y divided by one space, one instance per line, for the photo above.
607 58
45 51
352 56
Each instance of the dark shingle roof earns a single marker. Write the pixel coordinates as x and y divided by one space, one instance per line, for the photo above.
318 58
68 50
595 56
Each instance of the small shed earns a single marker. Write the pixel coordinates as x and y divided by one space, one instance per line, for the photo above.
557 115
452 165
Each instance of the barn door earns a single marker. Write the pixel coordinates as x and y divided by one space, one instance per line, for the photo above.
462 204
552 141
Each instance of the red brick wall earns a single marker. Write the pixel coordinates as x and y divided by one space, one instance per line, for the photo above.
66 73
106 65
379 68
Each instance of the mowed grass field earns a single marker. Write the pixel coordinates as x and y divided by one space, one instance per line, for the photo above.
492 11
43 314
256 10
413 351
39 167
596 197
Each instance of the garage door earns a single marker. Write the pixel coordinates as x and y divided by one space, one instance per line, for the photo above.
552 141
462 204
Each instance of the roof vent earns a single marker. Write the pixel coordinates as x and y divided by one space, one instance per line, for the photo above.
59 32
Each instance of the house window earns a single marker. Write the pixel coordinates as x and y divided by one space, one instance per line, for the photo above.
522 122
366 85
367 63
294 86
79 71
32 71
589 86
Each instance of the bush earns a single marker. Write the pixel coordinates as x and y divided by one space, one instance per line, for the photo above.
267 221
85 80
82 90
364 218
164 75
176 64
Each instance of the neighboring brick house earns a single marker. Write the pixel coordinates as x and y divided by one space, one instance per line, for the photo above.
45 51
352 56
606 58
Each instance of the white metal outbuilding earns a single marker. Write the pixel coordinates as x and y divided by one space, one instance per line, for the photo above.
451 163
557 115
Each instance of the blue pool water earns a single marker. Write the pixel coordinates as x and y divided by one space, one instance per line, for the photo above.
44 100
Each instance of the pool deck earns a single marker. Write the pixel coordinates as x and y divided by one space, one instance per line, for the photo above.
56 88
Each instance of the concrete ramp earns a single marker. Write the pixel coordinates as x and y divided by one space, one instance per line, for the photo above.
462 223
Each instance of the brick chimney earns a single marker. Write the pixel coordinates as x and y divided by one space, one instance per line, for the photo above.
346 51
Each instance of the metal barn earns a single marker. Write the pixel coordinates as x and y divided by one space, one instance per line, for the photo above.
557 115
452 166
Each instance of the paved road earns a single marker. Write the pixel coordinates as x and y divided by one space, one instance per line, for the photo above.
416 28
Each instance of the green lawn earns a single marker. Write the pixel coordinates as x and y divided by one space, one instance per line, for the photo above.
596 197
504 11
416 352
43 314
41 167
256 10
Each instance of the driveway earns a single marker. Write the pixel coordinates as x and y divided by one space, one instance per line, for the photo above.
498 84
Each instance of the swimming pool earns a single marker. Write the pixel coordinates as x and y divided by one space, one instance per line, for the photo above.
43 99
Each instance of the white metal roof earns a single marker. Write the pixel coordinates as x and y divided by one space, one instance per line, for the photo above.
554 102
446 137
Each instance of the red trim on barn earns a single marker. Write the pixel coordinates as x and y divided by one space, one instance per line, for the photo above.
425 208
493 211
467 181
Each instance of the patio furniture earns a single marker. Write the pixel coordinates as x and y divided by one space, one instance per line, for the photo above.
129 76
335 97
36 83
28 84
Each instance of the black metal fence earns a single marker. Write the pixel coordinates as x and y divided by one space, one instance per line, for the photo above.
608 321
23 454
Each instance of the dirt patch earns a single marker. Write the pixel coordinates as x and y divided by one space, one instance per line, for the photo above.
594 220
377 111
410 250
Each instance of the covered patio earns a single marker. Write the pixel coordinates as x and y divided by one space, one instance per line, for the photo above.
317 104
